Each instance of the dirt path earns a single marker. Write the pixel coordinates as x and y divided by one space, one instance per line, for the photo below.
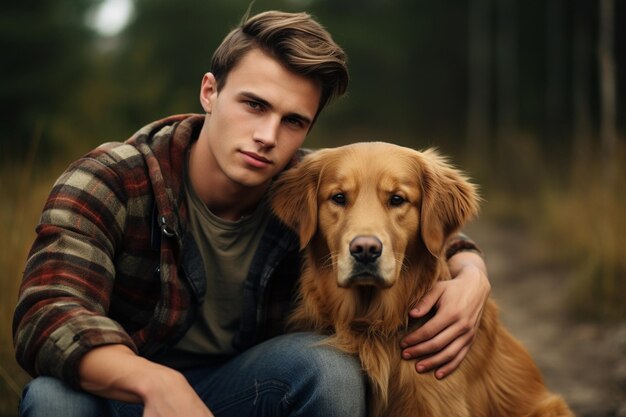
584 362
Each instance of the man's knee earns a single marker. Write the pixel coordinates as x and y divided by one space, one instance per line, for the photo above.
329 380
50 397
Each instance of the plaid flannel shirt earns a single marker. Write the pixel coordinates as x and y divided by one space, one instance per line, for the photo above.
112 261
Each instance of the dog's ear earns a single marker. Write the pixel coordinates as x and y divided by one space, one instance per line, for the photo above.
449 200
293 196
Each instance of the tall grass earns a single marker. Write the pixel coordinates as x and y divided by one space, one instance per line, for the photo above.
23 190
588 223
579 211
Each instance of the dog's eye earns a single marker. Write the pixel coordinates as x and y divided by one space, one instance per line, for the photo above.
339 199
396 200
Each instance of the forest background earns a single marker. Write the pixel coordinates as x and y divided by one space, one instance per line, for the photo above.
526 96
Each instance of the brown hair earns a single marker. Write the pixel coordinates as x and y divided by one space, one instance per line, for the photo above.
296 40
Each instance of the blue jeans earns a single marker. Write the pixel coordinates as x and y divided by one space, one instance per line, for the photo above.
286 376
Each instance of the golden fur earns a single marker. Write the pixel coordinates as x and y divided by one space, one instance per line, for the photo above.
405 203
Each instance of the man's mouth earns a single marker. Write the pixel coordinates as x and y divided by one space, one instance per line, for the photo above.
255 159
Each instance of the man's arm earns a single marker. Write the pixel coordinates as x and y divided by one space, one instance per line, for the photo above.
70 273
116 372
448 335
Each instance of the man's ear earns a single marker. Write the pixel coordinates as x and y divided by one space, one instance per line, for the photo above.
449 200
293 197
208 91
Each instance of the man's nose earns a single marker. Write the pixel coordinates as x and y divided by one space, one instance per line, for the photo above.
267 131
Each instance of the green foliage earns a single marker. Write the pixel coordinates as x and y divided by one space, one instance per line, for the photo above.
46 56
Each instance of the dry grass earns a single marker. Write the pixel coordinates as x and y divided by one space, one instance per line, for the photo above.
22 192
588 223
581 218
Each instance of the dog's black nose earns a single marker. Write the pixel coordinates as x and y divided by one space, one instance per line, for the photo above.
366 249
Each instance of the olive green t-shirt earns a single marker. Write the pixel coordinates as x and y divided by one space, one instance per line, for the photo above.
227 248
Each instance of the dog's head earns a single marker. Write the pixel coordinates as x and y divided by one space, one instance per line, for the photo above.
365 210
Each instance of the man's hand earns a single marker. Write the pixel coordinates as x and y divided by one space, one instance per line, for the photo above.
174 397
444 340
116 372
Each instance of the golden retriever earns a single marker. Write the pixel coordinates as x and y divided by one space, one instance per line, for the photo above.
373 219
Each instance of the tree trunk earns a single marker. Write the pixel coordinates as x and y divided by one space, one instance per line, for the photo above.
606 70
581 88
608 138
479 84
507 80
555 122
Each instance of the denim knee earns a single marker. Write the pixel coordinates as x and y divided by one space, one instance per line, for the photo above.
50 397
330 382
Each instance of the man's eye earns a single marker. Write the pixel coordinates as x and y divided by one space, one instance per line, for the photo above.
339 199
294 122
254 105
396 200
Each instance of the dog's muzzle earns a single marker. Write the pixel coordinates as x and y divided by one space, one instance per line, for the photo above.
365 251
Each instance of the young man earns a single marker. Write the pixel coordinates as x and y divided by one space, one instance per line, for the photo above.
159 281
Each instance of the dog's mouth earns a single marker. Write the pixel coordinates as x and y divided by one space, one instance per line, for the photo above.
364 276
366 280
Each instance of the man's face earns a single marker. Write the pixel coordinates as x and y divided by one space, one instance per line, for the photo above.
258 120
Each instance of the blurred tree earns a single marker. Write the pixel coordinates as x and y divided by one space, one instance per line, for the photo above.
556 126
507 83
164 53
45 59
582 88
408 69
606 63
480 84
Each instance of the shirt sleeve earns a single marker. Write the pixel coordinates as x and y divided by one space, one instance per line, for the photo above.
460 242
69 275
